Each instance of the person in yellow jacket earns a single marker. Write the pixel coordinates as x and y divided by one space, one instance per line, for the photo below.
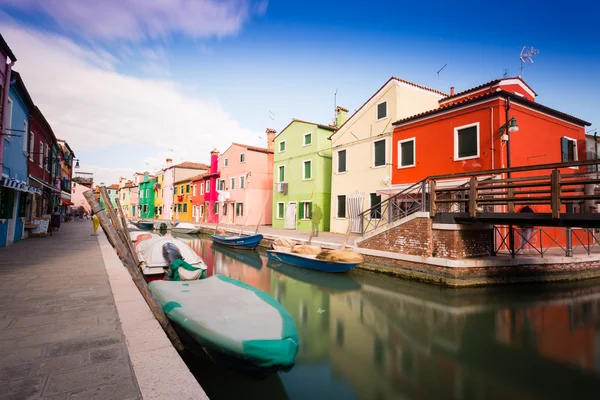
95 223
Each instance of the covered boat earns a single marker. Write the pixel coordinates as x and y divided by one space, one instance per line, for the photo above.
144 225
185 227
231 323
249 242
135 235
310 261
162 254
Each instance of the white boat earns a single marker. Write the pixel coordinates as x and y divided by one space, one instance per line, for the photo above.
185 227
133 235
153 262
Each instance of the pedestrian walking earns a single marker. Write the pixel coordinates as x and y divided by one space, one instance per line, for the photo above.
317 215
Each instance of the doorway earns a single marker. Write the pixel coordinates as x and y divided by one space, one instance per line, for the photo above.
290 216
10 237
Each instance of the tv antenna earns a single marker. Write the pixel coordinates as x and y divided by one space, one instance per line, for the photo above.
440 70
526 56
272 115
335 106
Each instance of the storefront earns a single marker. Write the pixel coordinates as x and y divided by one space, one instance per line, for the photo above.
15 204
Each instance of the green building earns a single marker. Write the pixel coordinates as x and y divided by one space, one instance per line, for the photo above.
302 176
146 197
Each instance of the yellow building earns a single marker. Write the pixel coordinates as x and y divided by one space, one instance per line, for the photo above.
125 196
182 200
158 195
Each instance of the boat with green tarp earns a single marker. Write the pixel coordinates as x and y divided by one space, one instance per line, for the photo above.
231 323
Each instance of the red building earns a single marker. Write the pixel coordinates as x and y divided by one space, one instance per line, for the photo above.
464 134
198 189
205 198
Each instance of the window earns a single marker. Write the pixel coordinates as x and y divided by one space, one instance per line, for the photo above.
221 184
379 153
175 190
466 142
145 208
226 161
341 161
194 211
232 183
194 190
9 109
216 208
243 157
568 149
48 160
187 188
182 189
224 209
382 110
375 206
202 211
305 211
280 210
282 146
41 155
6 203
239 209
242 182
307 170
406 153
341 206
179 207
184 207
147 193
202 188
207 186
307 139
281 173
25 135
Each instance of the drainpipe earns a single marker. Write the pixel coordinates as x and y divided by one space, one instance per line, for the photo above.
7 76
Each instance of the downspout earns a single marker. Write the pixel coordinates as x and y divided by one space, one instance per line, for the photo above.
492 132
7 77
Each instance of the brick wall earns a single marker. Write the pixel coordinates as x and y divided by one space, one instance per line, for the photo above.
412 238
461 243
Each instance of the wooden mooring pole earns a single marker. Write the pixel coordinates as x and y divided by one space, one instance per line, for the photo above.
132 267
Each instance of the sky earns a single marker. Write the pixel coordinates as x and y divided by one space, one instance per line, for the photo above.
129 83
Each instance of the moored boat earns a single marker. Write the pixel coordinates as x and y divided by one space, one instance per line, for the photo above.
169 257
310 261
144 225
249 242
231 323
185 227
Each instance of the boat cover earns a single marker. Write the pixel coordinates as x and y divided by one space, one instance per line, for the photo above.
185 226
229 316
151 252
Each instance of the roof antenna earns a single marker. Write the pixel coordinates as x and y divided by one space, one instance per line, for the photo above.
335 107
526 54
438 73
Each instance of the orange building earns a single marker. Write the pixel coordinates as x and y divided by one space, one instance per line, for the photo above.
464 134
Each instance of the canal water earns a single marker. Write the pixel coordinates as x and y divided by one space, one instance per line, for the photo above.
369 336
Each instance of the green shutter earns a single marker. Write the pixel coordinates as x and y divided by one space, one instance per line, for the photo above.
281 173
380 153
307 169
301 211
342 161
467 142
280 209
309 216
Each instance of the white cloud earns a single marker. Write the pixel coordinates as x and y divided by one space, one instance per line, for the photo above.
93 107
135 20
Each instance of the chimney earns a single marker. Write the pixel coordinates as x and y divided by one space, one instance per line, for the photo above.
341 116
169 162
270 137
122 181
214 161
451 90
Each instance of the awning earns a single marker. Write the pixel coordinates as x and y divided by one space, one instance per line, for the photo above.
65 196
67 202
18 185
447 183
43 184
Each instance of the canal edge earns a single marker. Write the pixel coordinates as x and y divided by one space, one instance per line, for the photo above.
155 363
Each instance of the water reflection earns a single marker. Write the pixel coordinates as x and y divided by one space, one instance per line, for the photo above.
368 336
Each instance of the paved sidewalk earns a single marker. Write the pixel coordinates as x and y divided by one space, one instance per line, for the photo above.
60 335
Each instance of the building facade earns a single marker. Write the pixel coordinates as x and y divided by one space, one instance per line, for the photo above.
302 176
67 164
176 173
182 200
198 187
158 194
146 196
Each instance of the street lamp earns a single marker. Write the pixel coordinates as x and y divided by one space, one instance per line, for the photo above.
512 127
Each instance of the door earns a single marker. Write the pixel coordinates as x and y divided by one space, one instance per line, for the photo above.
232 218
10 238
355 209
290 216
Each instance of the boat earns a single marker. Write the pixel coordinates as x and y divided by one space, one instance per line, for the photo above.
251 258
330 282
231 323
310 261
160 226
185 227
157 257
249 242
144 225
137 235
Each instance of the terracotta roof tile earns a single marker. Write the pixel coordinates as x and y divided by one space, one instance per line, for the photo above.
113 186
254 148
326 127
192 165
487 84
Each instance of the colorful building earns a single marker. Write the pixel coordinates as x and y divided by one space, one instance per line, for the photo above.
66 175
302 176
125 196
113 193
182 200
176 173
133 200
362 148
146 196
246 183
211 195
158 194
198 185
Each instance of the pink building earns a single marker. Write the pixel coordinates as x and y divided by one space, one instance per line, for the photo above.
175 173
246 184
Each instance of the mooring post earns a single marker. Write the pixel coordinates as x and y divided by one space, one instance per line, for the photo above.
569 242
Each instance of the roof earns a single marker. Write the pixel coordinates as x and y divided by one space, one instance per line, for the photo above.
326 127
22 89
199 177
183 180
500 94
393 78
113 186
490 83
192 165
4 47
66 144
254 148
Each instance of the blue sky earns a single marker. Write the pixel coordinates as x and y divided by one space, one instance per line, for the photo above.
210 74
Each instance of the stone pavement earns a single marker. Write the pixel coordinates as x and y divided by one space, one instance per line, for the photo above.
60 335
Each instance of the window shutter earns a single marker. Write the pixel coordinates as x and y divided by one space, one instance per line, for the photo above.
341 207
307 170
382 110
301 211
407 153
564 149
380 153
309 211
342 161
467 142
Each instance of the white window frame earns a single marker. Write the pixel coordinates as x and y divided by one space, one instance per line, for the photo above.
194 189
304 203
279 168
337 203
279 146
385 152
41 155
232 183
242 155
25 136
226 161
371 205
277 210
377 111
207 186
236 209
193 211
201 210
414 140
31 145
304 139
575 150
47 157
311 170
242 182
458 128
338 161
9 111
202 189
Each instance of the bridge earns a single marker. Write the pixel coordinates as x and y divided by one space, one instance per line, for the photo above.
564 195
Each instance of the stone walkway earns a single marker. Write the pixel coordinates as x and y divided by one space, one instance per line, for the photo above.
60 335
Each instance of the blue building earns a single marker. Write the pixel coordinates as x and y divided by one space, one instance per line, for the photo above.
15 193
